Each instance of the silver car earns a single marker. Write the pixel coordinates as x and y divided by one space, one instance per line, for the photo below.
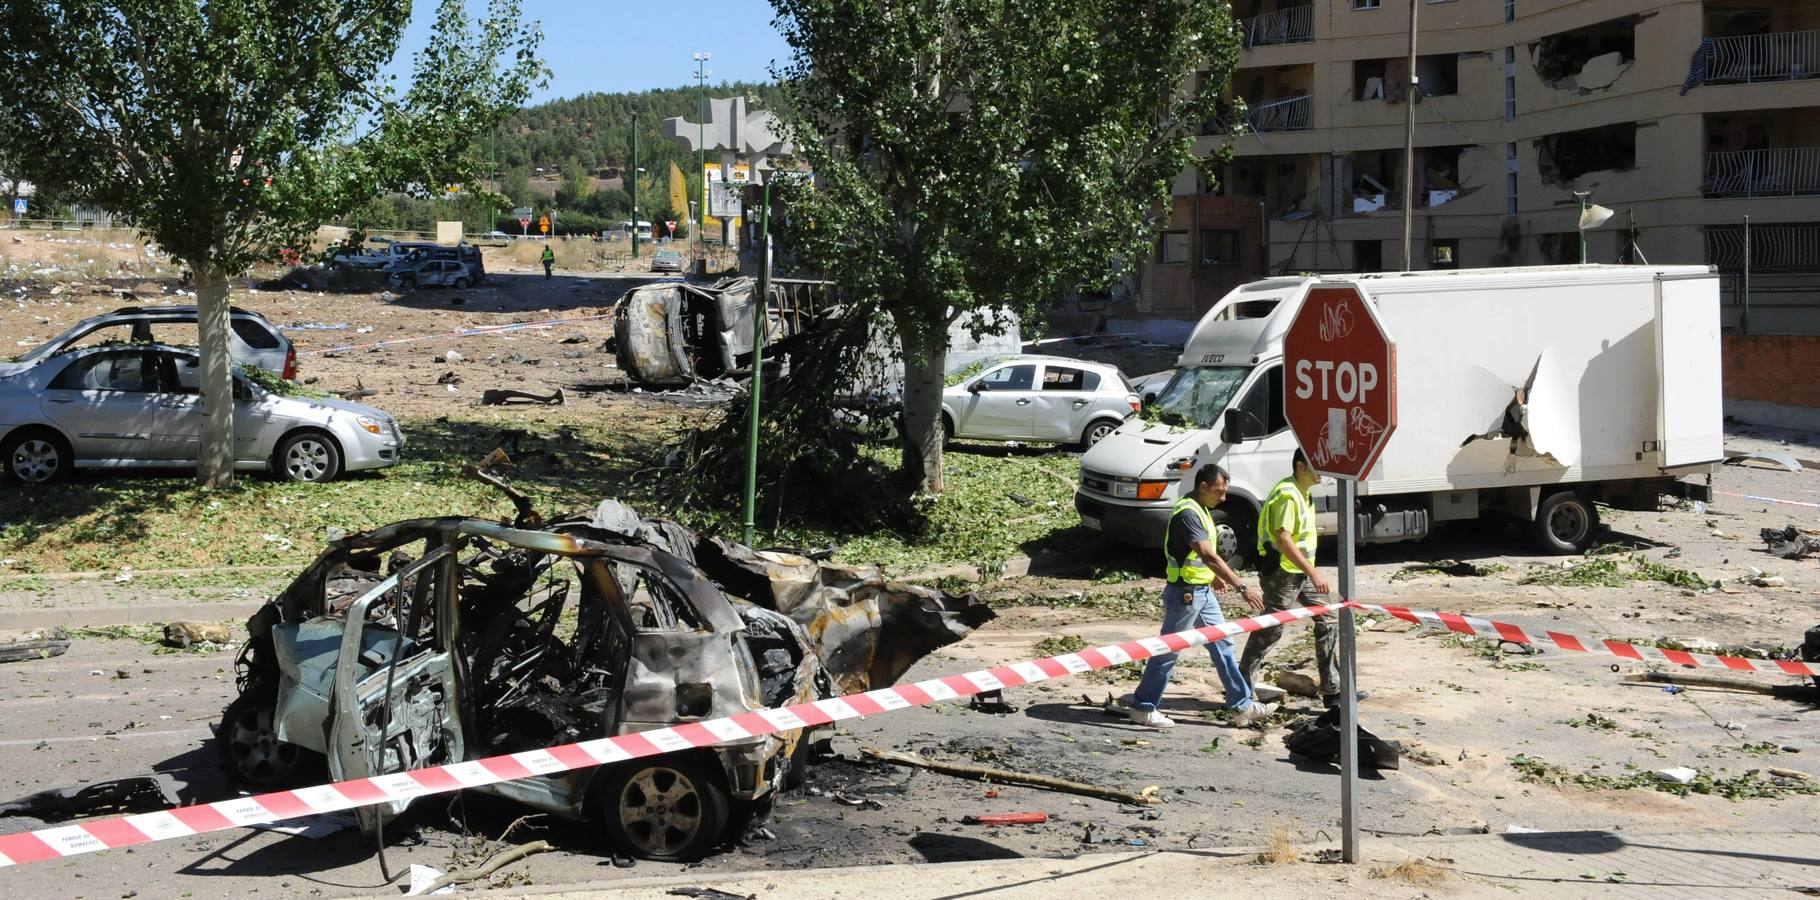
140 406
1038 398
252 339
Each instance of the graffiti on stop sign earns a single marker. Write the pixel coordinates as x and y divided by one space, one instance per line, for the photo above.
1341 389
1344 388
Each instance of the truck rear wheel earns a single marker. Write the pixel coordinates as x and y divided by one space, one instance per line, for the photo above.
1565 523
1235 537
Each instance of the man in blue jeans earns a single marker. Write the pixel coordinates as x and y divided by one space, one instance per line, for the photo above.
1193 568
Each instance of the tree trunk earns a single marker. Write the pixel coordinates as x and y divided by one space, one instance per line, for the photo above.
925 364
215 462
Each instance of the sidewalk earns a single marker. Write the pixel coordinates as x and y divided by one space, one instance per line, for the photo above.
1572 864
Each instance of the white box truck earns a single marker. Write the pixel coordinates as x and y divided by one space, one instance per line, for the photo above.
1530 394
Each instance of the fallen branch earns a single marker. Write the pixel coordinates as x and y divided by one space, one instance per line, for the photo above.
1146 797
499 861
1693 679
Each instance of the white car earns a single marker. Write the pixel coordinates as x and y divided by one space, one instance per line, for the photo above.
1038 398
140 406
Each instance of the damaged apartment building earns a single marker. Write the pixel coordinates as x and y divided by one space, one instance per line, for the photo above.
1682 117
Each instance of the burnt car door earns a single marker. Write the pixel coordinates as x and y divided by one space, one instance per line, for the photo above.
396 701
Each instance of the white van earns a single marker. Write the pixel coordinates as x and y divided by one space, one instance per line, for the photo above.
1530 394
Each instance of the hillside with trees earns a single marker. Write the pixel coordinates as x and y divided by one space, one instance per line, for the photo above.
572 155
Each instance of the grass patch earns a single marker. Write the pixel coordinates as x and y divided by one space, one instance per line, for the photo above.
1279 847
108 522
1060 644
1752 784
1604 568
998 504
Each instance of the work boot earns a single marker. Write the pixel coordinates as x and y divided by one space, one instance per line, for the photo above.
1332 700
1253 714
1150 718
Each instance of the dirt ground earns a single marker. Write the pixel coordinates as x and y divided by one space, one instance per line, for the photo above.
1466 709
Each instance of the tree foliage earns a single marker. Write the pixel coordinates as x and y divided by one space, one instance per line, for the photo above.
973 155
227 130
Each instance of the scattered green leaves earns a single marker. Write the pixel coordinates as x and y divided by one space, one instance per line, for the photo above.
1751 784
1060 644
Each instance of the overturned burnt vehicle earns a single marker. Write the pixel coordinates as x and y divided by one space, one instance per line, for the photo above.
673 332
440 640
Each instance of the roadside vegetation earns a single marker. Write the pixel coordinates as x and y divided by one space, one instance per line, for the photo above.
1000 503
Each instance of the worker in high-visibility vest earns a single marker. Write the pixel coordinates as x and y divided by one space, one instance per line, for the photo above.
1194 568
1286 543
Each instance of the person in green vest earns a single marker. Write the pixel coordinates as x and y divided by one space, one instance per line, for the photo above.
1193 569
1286 543
549 260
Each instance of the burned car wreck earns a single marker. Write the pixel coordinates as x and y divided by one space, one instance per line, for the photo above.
441 640
670 333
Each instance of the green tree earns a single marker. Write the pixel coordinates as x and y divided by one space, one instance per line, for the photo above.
516 185
576 185
228 130
973 155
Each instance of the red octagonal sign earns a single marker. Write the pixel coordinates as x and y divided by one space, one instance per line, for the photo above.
1340 384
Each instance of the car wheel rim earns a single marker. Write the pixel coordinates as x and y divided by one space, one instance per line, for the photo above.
307 460
36 461
1098 434
258 755
1568 523
661 810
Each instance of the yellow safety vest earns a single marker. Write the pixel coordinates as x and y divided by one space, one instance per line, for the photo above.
1191 570
1270 521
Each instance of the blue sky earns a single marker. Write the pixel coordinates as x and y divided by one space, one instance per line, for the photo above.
616 46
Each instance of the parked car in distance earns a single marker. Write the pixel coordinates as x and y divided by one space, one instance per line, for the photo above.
140 406
667 261
1037 398
252 338
428 272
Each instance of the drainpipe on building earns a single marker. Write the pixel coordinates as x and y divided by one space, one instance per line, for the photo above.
1350 842
1744 296
1263 240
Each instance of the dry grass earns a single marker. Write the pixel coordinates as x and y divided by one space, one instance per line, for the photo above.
1420 873
1279 848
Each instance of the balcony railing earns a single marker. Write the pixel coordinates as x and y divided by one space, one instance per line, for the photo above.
1781 172
1281 115
1764 57
1294 25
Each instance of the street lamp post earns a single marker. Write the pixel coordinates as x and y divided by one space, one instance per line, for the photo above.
701 149
635 171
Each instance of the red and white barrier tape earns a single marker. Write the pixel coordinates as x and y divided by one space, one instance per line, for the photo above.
126 831
1770 499
461 333
1504 631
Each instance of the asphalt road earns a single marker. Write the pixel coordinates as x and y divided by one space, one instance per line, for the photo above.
112 708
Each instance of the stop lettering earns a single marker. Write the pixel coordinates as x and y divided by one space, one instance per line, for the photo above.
1350 383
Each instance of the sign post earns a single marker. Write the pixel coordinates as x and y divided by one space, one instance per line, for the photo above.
1340 396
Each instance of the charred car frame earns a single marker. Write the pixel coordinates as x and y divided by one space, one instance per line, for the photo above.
481 638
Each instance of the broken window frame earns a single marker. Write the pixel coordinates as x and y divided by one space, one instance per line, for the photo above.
1549 152
1598 39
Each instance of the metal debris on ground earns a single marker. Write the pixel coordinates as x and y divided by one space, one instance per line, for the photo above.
36 644
507 397
1017 818
138 794
184 634
1790 542
702 893
1146 797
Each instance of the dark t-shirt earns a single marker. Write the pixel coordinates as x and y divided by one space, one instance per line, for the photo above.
1184 530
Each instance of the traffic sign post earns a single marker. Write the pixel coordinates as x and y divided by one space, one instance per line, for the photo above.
1340 396
524 224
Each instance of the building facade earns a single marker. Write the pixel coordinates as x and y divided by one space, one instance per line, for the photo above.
1682 117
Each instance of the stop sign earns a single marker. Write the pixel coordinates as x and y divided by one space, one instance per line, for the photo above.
1340 380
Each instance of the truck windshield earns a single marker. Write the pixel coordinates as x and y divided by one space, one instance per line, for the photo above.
1197 395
